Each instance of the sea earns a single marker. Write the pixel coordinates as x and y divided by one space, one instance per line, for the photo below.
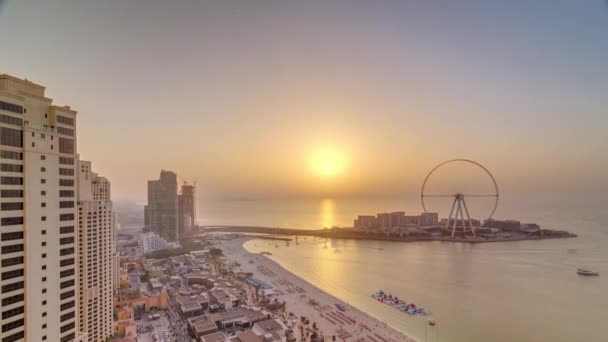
506 291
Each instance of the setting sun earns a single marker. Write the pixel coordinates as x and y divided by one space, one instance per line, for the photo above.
328 162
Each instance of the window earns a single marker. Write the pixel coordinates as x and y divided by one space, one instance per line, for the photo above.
66 273
11 180
12 274
11 120
43 290
43 255
43 243
11 155
6 206
66 230
15 337
66 240
12 248
43 193
9 107
43 205
66 193
67 337
67 327
44 268
67 305
68 294
44 314
13 299
66 204
65 131
44 303
11 193
67 316
66 262
66 182
66 172
12 261
11 167
44 279
66 283
66 161
12 236
43 218
66 217
42 181
11 137
42 157
43 169
12 325
12 221
66 145
12 287
43 232
65 120
66 251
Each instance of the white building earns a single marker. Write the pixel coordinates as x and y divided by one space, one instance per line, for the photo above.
38 215
96 258
152 242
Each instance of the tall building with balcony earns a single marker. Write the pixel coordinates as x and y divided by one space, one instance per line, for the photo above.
96 255
160 214
186 204
38 215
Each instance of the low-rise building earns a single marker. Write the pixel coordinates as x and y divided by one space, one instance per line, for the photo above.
201 326
270 330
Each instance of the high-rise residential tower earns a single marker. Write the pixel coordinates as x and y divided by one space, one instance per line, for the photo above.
161 212
96 255
38 215
186 204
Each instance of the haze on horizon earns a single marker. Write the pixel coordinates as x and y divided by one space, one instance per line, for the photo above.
293 99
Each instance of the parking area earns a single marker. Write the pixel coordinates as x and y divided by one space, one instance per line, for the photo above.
155 330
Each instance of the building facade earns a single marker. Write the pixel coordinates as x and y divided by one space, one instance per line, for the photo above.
186 204
96 255
38 215
160 214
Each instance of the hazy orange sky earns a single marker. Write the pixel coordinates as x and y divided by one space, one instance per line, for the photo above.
243 96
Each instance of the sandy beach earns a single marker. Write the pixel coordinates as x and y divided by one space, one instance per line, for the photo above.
348 325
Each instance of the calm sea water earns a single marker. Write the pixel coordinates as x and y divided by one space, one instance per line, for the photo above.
515 291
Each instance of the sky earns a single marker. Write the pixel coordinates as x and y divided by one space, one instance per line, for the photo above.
276 99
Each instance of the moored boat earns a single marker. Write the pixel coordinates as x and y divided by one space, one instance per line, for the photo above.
399 304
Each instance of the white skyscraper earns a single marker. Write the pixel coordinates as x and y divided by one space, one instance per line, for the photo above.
38 215
96 254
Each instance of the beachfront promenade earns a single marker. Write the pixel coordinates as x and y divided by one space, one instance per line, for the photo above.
305 300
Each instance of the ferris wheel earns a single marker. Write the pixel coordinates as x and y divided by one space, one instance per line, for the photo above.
459 210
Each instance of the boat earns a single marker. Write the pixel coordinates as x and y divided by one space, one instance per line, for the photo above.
584 272
340 307
399 304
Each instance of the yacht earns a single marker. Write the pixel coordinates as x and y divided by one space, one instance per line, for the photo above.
584 272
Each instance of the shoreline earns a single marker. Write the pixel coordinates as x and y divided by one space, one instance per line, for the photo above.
348 233
298 292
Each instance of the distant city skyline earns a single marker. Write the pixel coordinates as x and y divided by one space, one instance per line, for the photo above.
269 99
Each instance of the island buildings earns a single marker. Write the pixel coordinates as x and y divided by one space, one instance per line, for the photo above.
39 217
167 214
397 219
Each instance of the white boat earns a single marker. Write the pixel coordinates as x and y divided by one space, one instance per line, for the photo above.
584 272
